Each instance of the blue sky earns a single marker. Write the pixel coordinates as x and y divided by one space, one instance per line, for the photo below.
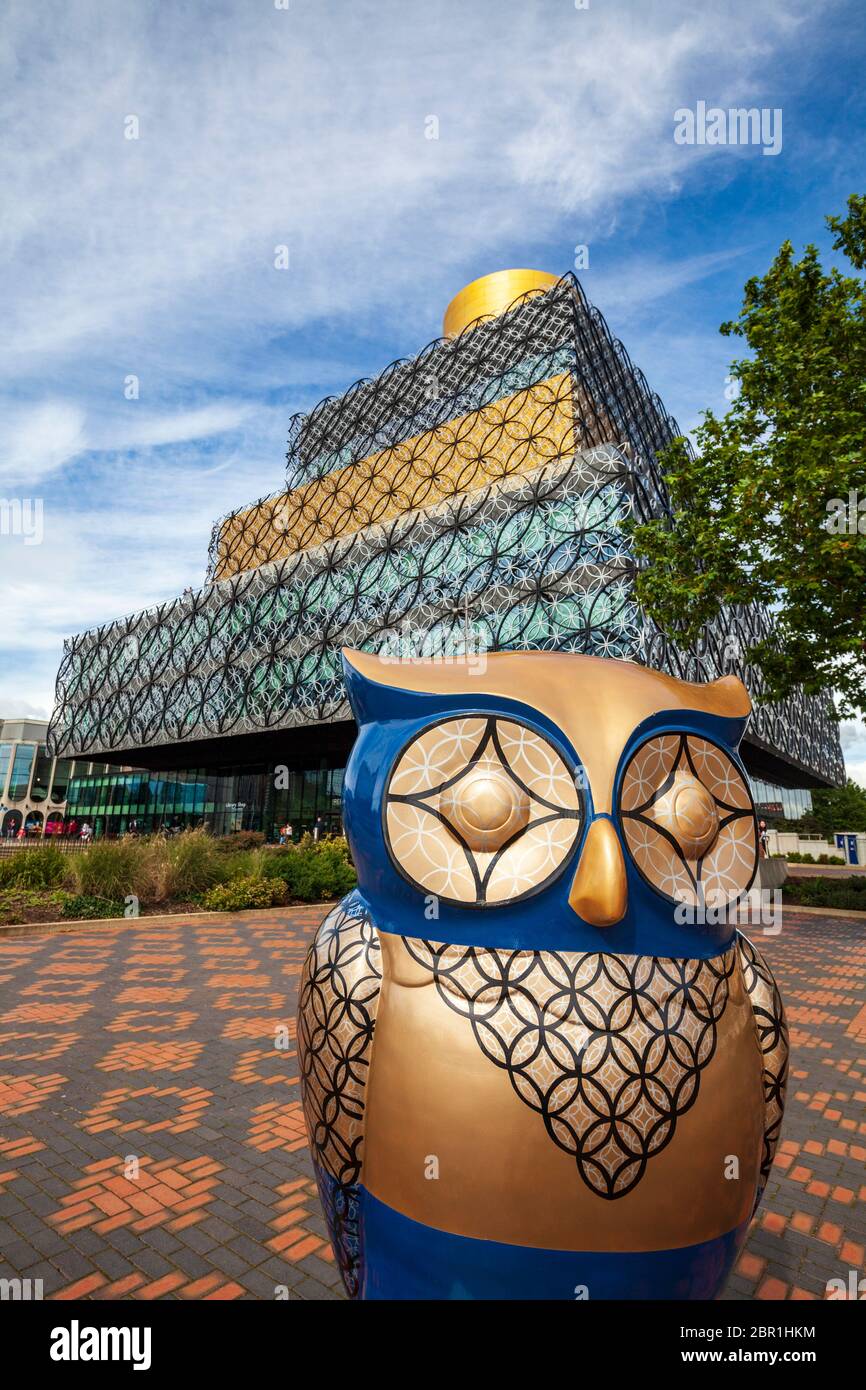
306 126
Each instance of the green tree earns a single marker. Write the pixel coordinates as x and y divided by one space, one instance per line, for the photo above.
754 513
840 808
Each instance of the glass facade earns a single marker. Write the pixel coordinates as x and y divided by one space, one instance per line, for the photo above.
313 797
21 766
60 781
222 801
41 774
33 783
5 756
780 803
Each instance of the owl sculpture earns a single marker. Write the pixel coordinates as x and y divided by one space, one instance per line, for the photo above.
538 1059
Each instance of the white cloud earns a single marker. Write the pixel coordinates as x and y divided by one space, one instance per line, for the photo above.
275 127
35 440
150 431
13 707
852 735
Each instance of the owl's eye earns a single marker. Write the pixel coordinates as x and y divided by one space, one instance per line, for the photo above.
688 819
481 811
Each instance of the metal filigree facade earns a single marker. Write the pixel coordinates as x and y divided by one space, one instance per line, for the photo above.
470 498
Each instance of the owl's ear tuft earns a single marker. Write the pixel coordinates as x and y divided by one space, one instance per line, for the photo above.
357 684
382 687
732 699
369 680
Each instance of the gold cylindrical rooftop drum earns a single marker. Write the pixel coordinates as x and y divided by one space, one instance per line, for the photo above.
491 295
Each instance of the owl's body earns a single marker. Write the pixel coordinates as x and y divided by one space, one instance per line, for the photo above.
531 1065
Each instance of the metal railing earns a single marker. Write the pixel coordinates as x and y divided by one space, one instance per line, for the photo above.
67 843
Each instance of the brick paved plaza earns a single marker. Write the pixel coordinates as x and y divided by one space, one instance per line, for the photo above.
156 1044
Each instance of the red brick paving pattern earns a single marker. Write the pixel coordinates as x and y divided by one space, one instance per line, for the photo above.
811 1227
151 1137
152 1143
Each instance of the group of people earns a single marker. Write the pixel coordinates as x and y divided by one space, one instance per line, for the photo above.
69 832
85 833
286 834
27 830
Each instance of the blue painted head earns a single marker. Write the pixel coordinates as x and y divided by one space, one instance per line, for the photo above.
549 801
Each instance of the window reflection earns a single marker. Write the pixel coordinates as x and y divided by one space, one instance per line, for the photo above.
20 778
141 802
63 769
5 755
41 775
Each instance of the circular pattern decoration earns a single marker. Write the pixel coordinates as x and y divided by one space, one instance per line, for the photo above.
688 820
481 811
608 1049
338 1002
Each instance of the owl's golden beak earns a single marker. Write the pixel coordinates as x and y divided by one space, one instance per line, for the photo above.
599 893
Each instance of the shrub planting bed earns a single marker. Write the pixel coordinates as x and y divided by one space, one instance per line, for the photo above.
796 858
162 874
847 894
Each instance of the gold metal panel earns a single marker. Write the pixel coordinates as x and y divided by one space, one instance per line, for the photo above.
491 295
509 436
434 1094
